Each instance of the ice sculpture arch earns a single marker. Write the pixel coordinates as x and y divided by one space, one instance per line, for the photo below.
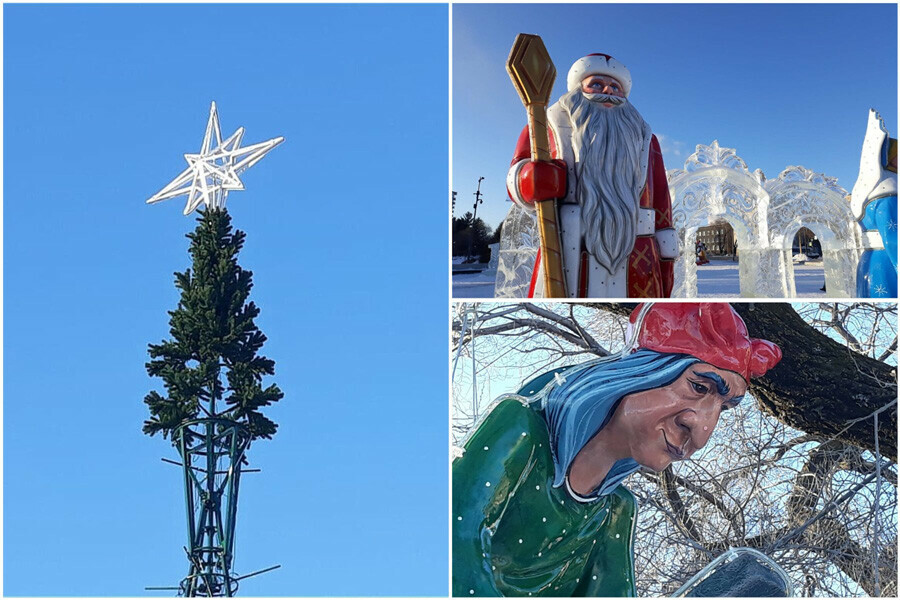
802 198
765 215
716 184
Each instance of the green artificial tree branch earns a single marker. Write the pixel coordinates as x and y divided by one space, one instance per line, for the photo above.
212 332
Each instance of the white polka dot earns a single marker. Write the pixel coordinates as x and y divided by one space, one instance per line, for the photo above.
459 518
573 552
577 580
595 577
617 536
485 447
487 484
493 568
539 553
537 487
520 540
523 434
544 519
564 530
585 516
471 591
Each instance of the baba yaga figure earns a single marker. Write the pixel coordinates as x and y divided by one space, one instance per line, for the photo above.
874 202
615 214
538 508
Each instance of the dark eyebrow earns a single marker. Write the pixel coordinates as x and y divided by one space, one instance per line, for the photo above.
721 386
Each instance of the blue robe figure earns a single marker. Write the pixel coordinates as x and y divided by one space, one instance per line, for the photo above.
874 202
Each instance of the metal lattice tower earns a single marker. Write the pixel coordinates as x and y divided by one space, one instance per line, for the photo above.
212 451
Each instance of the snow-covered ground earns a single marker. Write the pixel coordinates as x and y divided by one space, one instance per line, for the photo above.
473 285
477 285
718 278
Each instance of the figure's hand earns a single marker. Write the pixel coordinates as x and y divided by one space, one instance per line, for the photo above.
540 180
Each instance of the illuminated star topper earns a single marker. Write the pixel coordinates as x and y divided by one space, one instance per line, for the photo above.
213 172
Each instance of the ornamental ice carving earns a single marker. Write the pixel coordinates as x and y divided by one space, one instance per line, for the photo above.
714 156
518 251
716 184
799 174
800 195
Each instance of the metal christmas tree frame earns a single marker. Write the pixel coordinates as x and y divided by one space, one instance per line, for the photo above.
212 448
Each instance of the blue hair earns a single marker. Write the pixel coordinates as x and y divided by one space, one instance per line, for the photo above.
588 396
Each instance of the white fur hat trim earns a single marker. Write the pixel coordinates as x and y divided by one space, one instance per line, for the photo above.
598 64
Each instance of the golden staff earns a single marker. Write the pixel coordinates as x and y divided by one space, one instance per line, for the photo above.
532 73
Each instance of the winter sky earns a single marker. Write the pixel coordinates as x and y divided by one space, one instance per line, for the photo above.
784 84
346 236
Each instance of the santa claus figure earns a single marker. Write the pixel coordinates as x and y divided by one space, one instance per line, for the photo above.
608 177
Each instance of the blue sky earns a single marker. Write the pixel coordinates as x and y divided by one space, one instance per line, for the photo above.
100 104
783 84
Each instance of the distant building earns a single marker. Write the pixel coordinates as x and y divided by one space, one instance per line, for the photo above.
718 238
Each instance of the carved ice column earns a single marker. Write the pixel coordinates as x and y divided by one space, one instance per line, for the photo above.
687 216
802 198
495 255
716 184
519 243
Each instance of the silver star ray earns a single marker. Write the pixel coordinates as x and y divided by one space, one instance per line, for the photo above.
213 172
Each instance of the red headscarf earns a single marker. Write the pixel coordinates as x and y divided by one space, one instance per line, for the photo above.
711 331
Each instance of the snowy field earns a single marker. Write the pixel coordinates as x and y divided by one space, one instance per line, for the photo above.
718 278
473 285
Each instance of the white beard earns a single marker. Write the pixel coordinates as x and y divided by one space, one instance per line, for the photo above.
607 143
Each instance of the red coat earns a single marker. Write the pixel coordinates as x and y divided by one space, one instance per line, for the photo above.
649 274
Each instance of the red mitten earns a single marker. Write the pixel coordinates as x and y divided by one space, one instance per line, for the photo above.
540 180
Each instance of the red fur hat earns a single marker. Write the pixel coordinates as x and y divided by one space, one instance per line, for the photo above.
711 331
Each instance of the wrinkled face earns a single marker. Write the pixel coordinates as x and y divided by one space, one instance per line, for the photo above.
672 422
603 84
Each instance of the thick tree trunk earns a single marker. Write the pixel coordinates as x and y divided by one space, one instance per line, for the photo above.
821 386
